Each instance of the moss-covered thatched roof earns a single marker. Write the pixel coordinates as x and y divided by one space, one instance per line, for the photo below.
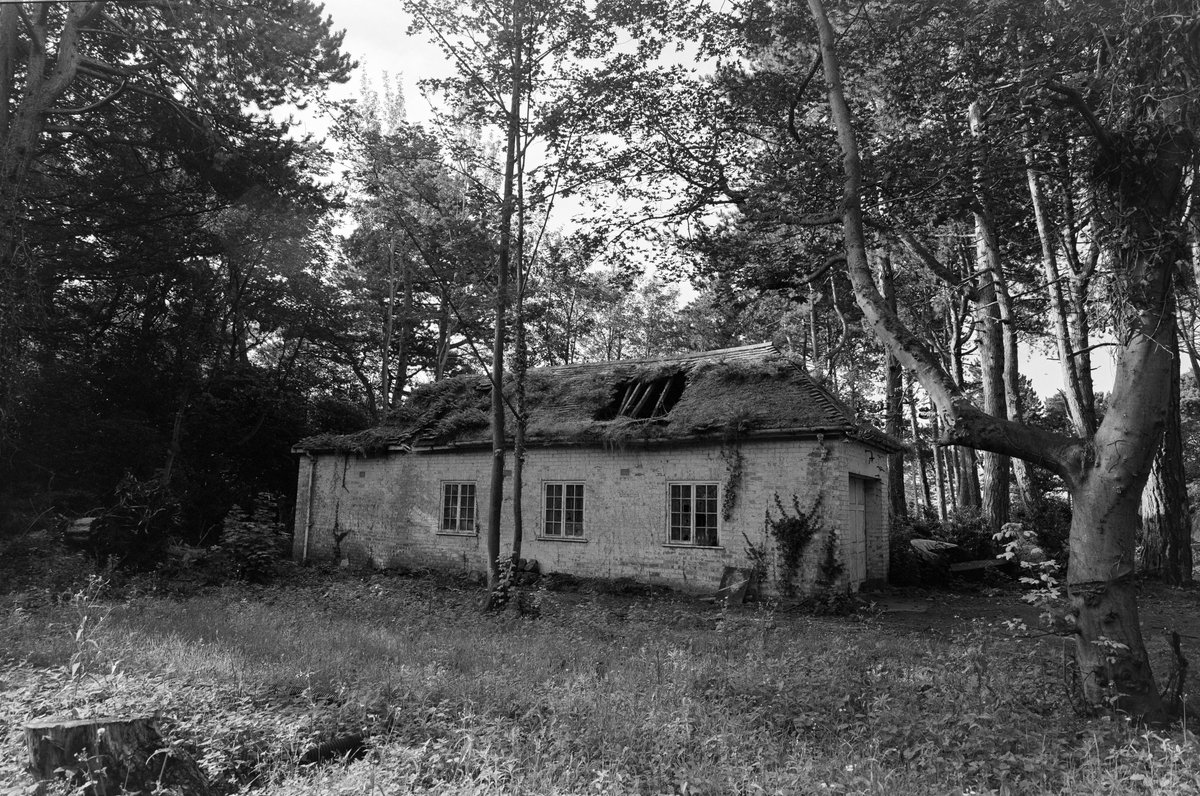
734 391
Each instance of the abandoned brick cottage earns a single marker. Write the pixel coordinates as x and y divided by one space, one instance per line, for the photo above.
658 470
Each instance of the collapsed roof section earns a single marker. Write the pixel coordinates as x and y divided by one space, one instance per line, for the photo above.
751 390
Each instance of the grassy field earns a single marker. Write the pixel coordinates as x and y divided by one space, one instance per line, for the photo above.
600 693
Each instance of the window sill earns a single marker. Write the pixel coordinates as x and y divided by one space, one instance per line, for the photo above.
570 539
467 534
686 546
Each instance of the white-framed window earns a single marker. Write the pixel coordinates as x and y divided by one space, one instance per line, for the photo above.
693 513
458 507
562 515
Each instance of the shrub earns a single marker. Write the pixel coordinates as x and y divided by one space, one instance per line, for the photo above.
133 531
250 546
1052 521
905 567
968 529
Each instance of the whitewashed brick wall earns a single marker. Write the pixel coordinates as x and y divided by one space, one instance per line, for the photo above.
389 507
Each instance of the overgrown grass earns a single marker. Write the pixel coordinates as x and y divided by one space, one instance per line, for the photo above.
599 694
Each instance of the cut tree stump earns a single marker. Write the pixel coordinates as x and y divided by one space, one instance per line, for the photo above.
113 755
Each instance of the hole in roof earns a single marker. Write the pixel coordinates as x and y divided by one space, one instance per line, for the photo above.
644 399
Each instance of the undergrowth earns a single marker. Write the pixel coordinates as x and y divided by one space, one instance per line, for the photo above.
600 694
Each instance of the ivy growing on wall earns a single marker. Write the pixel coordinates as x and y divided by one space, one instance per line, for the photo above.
734 462
792 532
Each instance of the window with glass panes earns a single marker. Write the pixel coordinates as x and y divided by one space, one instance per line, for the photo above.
693 514
563 510
458 507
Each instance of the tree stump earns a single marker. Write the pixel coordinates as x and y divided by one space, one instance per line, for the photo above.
110 755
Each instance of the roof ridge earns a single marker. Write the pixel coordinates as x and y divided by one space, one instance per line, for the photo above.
751 351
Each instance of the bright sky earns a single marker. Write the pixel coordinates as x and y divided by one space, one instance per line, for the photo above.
377 38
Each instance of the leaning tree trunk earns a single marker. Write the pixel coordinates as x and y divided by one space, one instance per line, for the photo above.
893 415
1144 177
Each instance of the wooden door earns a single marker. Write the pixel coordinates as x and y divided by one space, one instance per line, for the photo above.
854 545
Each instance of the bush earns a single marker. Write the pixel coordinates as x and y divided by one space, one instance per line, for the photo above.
905 567
250 546
968 529
1052 521
965 528
133 531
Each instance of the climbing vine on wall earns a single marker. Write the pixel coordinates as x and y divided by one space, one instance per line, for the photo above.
831 563
734 462
792 532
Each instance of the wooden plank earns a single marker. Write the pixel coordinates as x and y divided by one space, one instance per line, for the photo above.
983 563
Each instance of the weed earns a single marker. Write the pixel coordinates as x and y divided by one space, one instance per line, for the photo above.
89 615
603 694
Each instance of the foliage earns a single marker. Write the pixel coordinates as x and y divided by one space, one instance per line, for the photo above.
758 556
734 464
967 529
178 93
187 333
134 529
1052 521
1041 576
831 567
970 530
792 533
91 612
250 546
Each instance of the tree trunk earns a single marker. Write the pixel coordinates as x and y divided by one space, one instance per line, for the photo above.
918 447
400 382
504 264
1113 664
520 368
114 755
175 446
970 495
1078 323
939 469
951 476
893 413
964 486
446 323
990 344
1083 419
383 412
1166 539
1030 498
